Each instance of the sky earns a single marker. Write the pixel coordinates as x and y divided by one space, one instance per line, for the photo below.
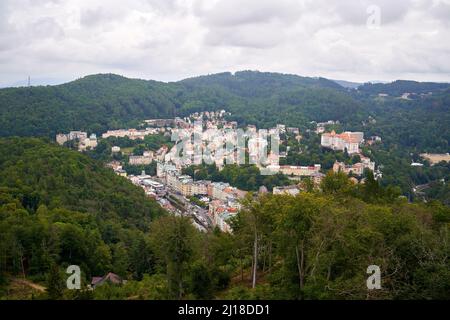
55 41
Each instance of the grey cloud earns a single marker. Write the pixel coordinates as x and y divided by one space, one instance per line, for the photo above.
165 6
237 12
102 16
170 39
4 12
254 36
441 11
43 2
92 17
46 28
252 23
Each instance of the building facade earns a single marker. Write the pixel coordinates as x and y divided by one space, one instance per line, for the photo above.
349 141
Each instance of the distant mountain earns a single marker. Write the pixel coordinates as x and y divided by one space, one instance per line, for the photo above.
399 87
348 84
35 82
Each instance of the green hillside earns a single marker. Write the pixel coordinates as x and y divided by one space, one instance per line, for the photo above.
100 102
94 103
60 207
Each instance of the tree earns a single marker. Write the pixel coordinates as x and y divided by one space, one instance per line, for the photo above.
55 283
355 159
142 259
120 259
173 240
254 227
335 182
200 282
293 231
372 189
139 150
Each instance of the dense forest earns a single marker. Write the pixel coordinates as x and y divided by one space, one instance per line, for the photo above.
94 103
101 102
59 208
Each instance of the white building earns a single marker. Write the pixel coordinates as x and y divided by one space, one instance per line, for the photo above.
200 187
298 171
80 135
115 149
289 190
357 168
219 190
349 141
163 168
88 143
62 138
140 160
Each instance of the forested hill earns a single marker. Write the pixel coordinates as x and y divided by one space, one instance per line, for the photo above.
251 84
100 102
59 208
36 173
265 99
93 103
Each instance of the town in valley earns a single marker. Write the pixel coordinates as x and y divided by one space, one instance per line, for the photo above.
211 204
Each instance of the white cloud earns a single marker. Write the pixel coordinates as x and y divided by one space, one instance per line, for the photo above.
169 40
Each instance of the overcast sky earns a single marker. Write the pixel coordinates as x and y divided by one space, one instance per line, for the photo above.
168 40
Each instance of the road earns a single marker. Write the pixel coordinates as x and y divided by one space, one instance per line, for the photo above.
200 215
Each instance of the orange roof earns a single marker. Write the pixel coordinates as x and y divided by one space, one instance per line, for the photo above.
348 137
